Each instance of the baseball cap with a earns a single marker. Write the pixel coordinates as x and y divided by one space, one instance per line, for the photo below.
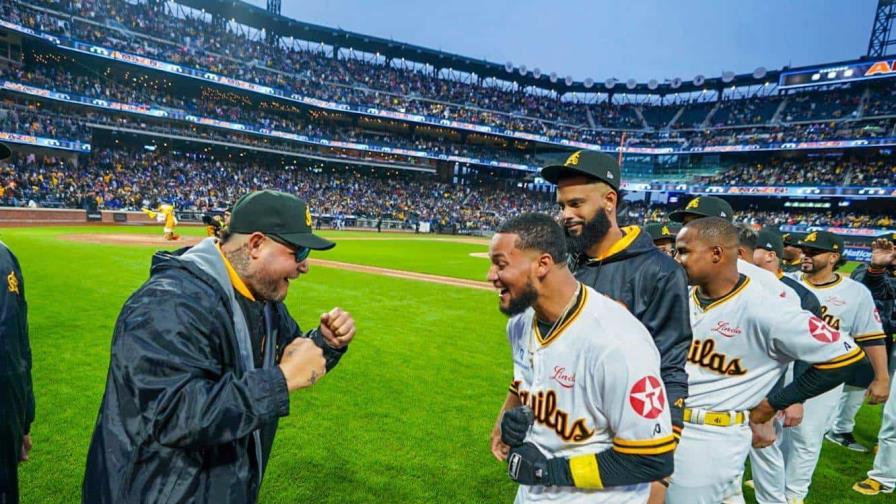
278 214
585 162
769 239
823 240
704 206
662 230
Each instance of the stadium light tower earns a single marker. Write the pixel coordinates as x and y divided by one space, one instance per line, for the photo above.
273 8
880 33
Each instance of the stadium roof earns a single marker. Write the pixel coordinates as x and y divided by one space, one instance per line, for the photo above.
258 18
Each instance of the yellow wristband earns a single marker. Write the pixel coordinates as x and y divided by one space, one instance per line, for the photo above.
584 470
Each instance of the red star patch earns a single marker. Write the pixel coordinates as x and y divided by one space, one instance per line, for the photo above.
647 397
822 332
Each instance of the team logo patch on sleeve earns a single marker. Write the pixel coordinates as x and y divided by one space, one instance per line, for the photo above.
647 398
822 332
877 316
12 282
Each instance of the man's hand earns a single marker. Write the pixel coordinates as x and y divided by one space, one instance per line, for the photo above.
302 364
763 434
515 424
878 391
26 448
793 415
337 327
762 413
882 253
528 466
499 449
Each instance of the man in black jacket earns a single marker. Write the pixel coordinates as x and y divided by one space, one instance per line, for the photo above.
16 394
204 355
624 264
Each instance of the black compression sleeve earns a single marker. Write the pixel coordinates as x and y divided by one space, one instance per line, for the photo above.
811 383
620 469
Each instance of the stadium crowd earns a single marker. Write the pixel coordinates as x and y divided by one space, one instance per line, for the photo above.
119 179
405 87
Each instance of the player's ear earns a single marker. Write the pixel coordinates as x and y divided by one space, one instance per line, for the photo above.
717 253
543 265
254 243
611 201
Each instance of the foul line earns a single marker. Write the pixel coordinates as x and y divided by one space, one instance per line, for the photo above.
407 275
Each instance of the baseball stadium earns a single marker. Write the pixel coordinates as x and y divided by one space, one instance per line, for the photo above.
137 126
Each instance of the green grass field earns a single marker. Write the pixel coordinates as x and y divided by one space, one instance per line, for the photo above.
404 418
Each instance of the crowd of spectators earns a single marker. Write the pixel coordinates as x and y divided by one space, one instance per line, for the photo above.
369 80
808 172
122 179
641 212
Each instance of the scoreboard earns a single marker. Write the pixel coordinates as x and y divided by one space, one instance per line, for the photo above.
838 74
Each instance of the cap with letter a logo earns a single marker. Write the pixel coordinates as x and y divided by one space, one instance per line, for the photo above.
590 163
660 231
704 206
278 214
823 240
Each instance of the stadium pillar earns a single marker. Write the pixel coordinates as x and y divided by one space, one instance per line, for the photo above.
880 40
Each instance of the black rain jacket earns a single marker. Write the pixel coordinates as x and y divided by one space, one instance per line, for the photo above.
654 287
183 418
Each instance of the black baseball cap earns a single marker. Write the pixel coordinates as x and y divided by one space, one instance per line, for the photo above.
278 214
704 206
662 230
822 240
585 162
769 239
4 151
790 239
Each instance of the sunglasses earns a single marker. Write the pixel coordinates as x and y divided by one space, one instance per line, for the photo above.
301 253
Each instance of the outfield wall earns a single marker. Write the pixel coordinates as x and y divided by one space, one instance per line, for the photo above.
15 216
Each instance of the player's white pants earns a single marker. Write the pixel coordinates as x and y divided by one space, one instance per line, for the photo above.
804 442
632 494
885 461
707 460
768 469
850 403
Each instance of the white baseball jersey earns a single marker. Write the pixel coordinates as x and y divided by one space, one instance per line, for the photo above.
765 278
847 306
594 384
744 341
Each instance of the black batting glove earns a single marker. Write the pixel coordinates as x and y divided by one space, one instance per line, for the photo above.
515 424
528 466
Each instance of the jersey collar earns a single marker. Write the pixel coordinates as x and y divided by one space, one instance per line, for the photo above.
565 320
724 299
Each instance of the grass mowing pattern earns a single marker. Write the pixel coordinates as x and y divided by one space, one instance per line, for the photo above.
404 418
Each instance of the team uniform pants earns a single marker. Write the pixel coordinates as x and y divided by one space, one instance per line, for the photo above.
804 442
850 403
884 469
768 469
707 460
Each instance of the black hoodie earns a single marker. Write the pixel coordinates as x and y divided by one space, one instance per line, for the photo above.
655 289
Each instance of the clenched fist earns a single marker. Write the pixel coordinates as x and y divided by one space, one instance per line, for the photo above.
302 364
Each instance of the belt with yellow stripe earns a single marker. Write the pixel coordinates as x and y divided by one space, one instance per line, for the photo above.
715 418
